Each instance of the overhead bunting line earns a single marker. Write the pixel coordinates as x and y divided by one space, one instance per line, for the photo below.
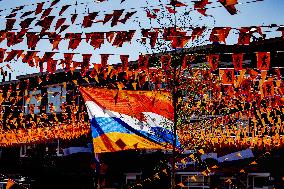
155 7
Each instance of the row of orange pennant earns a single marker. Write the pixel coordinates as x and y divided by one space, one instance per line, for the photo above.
30 57
242 90
263 61
88 20
177 37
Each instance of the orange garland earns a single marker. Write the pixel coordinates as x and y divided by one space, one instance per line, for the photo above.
43 134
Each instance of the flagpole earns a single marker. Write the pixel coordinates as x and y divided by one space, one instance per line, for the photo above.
174 101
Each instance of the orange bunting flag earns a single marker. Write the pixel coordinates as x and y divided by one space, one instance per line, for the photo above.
201 151
150 15
186 60
45 23
228 76
94 72
219 34
54 39
47 56
127 16
46 12
109 36
253 74
27 22
85 66
124 61
88 20
230 5
166 61
238 61
14 54
213 60
143 61
51 65
253 163
63 9
32 39
39 8
177 3
2 54
9 184
96 39
197 32
75 40
73 18
123 36
153 38
171 10
200 6
268 89
180 184
67 61
10 24
116 16
59 23
54 2
277 73
104 60
263 60
244 36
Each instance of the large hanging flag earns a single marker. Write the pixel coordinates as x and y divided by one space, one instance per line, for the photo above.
125 120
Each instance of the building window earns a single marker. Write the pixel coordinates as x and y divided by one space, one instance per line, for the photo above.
27 150
33 102
195 181
56 96
132 178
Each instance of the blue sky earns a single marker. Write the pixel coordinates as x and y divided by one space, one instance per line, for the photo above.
253 14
